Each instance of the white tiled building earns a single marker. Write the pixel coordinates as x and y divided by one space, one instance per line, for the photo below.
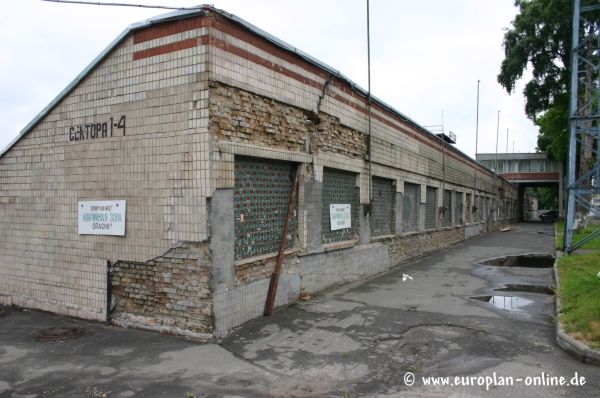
196 120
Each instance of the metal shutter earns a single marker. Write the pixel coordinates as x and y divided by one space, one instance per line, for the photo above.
339 187
458 207
410 207
384 203
263 188
447 219
431 208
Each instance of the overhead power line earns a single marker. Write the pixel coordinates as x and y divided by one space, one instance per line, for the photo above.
95 3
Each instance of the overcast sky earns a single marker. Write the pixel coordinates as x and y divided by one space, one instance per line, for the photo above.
426 56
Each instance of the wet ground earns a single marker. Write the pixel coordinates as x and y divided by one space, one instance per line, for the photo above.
364 339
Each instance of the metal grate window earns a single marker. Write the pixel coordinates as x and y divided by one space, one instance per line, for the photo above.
384 203
431 208
262 193
447 219
486 214
469 208
410 207
458 208
339 187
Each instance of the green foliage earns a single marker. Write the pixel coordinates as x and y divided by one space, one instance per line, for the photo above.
582 233
547 197
553 137
540 38
580 296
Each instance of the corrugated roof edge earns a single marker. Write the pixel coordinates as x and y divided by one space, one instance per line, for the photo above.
201 10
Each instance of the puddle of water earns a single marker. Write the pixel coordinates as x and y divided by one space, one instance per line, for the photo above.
522 261
506 303
515 287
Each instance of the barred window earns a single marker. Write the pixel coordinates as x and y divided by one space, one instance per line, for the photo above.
458 208
447 218
431 208
339 187
469 208
263 188
384 204
410 207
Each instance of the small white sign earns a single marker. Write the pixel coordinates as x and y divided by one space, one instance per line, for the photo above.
102 217
340 217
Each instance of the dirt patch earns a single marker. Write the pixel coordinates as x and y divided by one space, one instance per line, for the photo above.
3 309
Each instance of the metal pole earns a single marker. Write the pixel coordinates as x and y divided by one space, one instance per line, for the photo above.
476 141
506 168
444 173
369 105
443 157
496 168
571 177
497 130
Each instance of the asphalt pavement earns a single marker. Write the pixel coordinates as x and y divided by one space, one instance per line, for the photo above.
455 323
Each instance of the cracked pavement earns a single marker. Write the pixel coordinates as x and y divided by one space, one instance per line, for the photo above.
358 340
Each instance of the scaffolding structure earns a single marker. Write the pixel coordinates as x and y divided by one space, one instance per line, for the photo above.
584 120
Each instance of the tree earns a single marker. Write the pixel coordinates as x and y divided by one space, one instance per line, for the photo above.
547 197
553 136
540 39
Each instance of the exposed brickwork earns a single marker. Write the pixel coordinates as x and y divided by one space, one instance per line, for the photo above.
242 117
261 268
172 292
403 248
331 136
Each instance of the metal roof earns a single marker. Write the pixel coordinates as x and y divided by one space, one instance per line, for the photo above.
200 10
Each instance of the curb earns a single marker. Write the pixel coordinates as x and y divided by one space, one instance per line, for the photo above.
570 345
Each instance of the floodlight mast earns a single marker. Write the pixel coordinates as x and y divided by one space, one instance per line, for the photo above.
584 119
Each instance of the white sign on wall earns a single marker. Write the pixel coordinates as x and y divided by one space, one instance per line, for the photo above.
102 217
339 215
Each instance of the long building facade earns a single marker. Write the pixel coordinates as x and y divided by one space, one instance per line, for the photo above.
154 190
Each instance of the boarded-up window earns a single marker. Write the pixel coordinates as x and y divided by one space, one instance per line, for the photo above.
263 188
431 208
447 218
384 203
458 208
410 207
339 187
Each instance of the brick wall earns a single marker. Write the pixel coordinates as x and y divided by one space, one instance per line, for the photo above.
258 268
403 248
242 117
189 88
170 294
